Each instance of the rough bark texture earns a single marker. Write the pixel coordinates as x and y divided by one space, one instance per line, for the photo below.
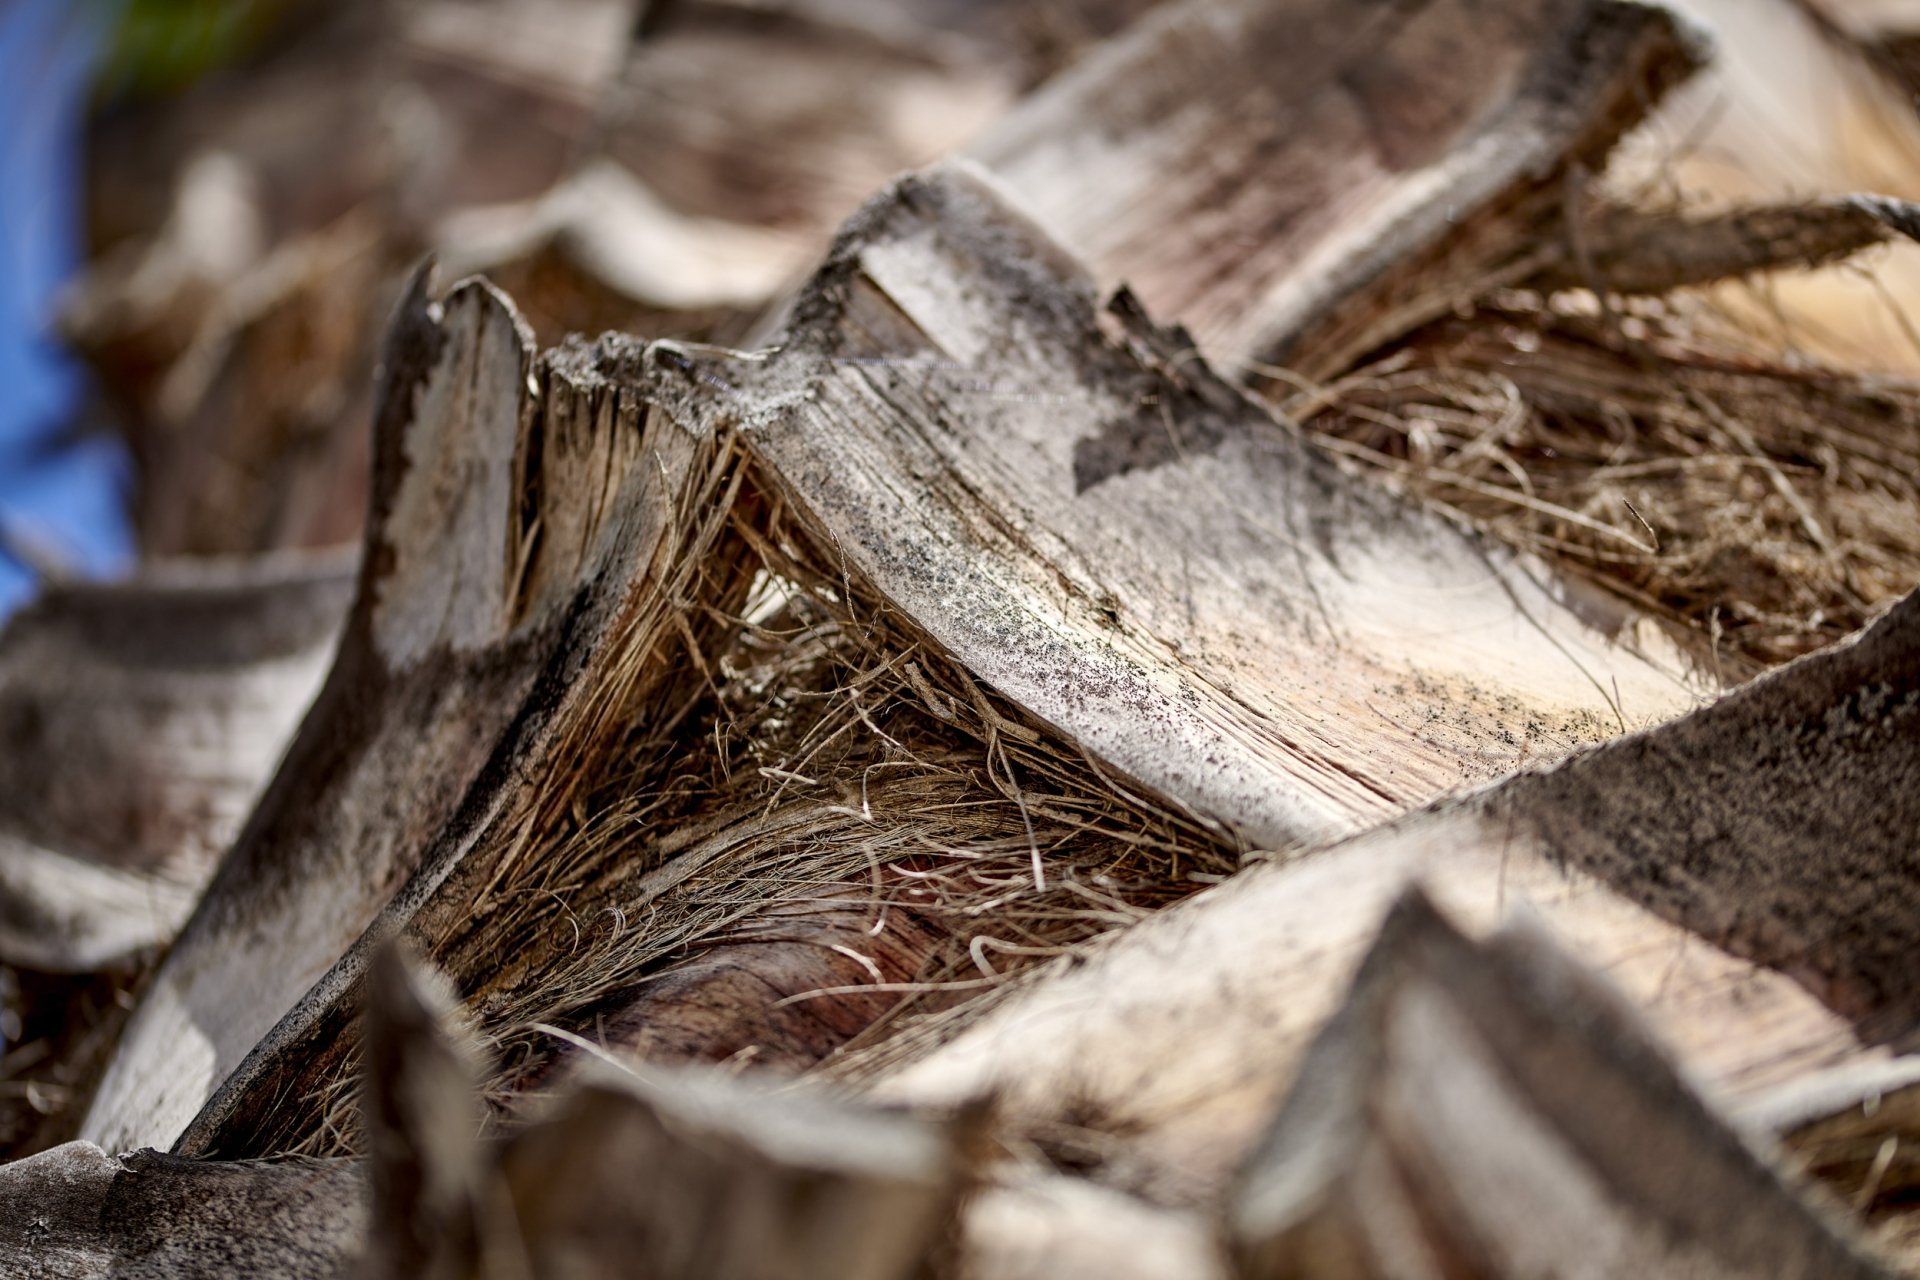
1108 534
674 672
76 1213
1056 551
939 350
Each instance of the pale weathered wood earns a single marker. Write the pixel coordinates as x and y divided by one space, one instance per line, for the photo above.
1055 546
62 914
1491 1109
1776 824
455 613
844 96
605 230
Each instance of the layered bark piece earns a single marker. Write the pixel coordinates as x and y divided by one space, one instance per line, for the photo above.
621 501
1299 182
1775 824
1130 550
142 721
468 586
1490 1109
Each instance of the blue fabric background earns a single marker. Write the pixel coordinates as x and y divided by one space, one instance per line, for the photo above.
62 490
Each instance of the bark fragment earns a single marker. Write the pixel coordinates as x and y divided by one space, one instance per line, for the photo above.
1649 854
1298 183
1490 1108
435 661
1120 542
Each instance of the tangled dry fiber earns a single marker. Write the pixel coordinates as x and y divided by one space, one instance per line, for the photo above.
799 836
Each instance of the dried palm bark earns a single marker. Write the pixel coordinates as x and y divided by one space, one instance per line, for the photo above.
466 593
1255 762
1402 155
981 586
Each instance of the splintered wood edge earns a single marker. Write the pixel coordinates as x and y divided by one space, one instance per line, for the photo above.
1425 1085
441 536
449 567
434 635
610 438
565 493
